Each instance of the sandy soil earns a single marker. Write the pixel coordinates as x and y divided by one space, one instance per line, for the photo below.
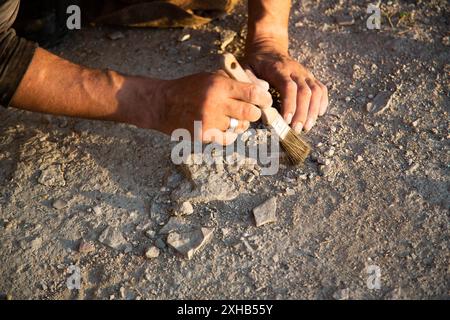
375 192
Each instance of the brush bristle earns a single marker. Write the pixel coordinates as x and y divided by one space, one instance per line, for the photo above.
296 148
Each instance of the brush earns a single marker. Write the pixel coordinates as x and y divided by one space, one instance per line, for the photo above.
296 148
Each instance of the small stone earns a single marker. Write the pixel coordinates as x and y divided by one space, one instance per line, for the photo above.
174 224
324 170
150 233
59 204
97 210
113 238
152 252
116 35
184 37
122 292
189 243
348 99
86 247
266 212
185 209
380 103
359 159
290 192
303 177
329 153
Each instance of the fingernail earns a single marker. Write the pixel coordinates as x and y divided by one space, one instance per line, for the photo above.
288 118
309 124
298 127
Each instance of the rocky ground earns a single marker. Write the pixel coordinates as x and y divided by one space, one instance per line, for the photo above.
107 199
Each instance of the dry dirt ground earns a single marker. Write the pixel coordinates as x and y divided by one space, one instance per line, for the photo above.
375 192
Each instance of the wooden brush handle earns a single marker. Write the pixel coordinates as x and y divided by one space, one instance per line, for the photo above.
234 69
236 72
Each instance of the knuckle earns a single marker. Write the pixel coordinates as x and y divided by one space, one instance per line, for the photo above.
252 93
315 89
291 85
306 91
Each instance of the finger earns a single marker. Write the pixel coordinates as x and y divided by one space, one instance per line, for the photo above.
222 73
314 105
324 101
303 100
251 93
242 111
263 84
220 137
287 88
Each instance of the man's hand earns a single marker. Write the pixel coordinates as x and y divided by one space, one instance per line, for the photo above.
54 85
213 99
303 97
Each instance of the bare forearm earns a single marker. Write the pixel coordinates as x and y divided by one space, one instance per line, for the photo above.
56 86
268 20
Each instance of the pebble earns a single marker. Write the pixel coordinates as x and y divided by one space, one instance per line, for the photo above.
359 159
186 208
329 153
150 233
152 252
59 204
113 238
174 224
266 212
324 170
290 192
116 35
188 243
184 37
97 210
380 103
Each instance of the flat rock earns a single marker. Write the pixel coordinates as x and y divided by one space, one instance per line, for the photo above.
184 209
152 252
113 238
380 103
266 212
59 204
188 243
116 35
174 224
